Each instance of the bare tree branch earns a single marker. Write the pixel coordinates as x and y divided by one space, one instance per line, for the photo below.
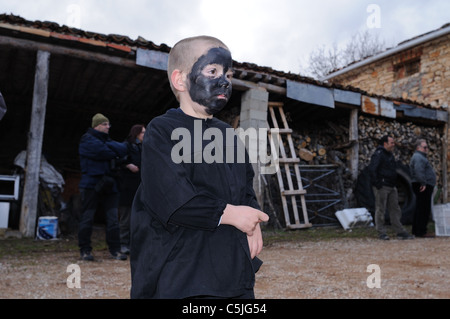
323 61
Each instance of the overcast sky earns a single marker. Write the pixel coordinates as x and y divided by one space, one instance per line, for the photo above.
278 34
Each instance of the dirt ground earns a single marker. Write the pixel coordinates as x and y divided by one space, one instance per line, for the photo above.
303 269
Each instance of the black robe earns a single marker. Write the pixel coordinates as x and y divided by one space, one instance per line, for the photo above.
178 249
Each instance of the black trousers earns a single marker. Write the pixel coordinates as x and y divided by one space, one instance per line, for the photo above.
423 209
91 200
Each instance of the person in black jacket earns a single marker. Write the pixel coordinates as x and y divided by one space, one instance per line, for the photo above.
383 176
98 186
195 222
130 178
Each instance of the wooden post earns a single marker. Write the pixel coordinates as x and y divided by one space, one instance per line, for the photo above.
354 137
35 137
444 174
254 106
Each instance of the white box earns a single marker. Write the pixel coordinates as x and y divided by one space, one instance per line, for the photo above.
9 187
4 214
441 217
354 217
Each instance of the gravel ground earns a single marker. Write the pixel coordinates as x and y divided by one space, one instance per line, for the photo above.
328 269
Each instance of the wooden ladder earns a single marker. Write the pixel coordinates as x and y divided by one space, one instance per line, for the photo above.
294 187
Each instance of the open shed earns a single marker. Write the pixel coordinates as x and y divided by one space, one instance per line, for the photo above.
55 78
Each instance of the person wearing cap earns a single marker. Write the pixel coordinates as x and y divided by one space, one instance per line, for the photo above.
98 186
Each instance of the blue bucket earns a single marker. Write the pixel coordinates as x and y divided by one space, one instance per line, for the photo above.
47 228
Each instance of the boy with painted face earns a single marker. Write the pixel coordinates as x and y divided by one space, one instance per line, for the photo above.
210 80
195 225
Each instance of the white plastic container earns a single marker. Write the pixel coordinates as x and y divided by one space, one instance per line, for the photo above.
354 217
441 217
4 214
47 228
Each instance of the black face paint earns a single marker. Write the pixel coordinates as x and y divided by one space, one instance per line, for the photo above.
206 91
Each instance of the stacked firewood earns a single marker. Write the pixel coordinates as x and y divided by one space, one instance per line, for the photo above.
405 135
328 142
322 143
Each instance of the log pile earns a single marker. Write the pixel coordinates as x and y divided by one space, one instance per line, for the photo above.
328 142
322 143
405 136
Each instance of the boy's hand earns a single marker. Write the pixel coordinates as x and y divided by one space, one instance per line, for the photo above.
255 242
244 218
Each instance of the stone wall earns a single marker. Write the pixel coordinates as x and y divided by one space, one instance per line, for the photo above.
421 74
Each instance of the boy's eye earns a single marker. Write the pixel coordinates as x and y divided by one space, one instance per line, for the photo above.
211 72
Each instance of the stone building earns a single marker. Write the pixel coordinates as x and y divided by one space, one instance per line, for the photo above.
417 70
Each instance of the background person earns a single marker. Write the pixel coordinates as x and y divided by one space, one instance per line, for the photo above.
129 183
383 176
423 180
97 187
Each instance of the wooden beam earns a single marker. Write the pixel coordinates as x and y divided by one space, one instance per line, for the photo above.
244 85
61 50
34 149
354 137
445 188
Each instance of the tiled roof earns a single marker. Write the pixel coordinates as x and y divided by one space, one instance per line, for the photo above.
125 44
55 30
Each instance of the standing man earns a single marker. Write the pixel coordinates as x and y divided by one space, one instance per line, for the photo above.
423 183
383 175
98 188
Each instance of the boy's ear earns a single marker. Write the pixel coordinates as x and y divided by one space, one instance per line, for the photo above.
178 79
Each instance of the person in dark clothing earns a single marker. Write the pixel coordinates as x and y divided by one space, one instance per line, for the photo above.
423 180
383 174
98 187
195 222
130 178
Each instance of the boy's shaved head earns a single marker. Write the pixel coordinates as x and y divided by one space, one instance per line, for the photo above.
187 51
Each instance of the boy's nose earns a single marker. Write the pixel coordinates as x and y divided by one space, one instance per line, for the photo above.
223 82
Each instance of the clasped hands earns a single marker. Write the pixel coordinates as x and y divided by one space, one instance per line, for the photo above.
247 220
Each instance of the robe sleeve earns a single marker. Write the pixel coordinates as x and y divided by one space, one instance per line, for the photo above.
167 191
250 192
